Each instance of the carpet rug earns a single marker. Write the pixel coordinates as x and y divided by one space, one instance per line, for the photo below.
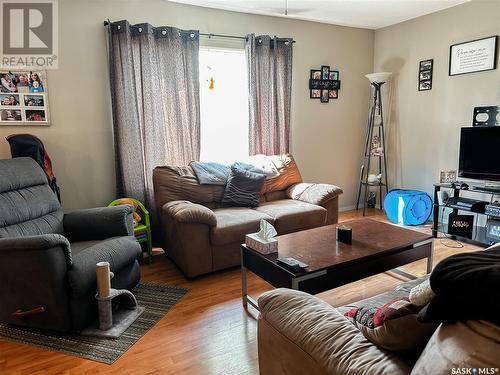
156 298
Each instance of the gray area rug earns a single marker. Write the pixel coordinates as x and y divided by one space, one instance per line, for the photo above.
156 298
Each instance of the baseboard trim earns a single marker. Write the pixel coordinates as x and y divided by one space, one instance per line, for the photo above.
349 208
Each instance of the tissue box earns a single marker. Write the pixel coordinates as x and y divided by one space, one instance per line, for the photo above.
254 242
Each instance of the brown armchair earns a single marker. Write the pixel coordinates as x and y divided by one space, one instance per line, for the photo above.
202 236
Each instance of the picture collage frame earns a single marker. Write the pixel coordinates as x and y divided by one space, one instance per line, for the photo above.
24 98
425 68
324 84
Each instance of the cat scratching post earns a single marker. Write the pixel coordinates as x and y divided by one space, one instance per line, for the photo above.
117 309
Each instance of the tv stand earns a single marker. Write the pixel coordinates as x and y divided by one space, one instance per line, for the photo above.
479 236
493 188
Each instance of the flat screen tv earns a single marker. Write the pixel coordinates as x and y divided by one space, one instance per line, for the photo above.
480 153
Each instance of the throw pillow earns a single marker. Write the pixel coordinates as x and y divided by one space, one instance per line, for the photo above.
289 174
243 188
422 294
393 326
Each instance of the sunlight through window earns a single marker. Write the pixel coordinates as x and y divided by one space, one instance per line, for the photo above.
223 105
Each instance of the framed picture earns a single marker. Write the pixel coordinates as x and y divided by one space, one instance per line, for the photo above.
475 56
23 98
315 94
325 72
324 84
333 75
315 74
424 85
9 99
425 65
324 96
446 177
425 68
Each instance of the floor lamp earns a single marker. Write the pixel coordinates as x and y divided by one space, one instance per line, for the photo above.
375 142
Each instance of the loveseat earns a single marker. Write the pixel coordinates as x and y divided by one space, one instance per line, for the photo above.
301 334
201 235
48 258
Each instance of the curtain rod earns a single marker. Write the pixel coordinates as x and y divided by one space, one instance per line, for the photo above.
209 35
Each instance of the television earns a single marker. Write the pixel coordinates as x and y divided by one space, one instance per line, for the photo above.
480 153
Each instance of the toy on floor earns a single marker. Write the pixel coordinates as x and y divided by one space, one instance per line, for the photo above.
408 207
142 226
131 202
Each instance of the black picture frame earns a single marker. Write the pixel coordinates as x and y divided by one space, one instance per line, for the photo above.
425 70
321 86
494 52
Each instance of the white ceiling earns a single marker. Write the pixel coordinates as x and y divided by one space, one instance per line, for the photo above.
370 14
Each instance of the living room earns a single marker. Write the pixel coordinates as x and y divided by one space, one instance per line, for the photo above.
162 112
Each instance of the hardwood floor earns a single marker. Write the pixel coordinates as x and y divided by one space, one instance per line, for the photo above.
207 332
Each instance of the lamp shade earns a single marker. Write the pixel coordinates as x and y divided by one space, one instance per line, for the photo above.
378 77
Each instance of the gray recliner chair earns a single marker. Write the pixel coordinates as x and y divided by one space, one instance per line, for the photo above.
48 258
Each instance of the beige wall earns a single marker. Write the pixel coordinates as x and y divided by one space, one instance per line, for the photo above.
327 138
425 126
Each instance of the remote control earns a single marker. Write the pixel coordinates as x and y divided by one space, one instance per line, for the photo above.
291 264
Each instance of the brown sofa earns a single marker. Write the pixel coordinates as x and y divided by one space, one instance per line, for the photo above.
202 236
300 334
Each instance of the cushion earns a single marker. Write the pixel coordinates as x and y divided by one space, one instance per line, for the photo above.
291 216
394 326
421 294
321 332
243 188
179 184
461 346
288 174
234 222
118 251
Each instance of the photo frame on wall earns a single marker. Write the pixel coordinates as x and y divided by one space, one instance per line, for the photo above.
475 56
24 98
425 68
324 84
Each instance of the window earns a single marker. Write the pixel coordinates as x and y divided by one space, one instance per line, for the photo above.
223 105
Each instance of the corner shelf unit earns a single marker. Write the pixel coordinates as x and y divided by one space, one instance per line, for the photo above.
479 233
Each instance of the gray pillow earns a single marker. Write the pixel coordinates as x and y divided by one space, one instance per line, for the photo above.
243 188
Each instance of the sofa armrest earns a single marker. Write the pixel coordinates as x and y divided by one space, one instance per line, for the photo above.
99 223
33 278
318 194
188 212
298 332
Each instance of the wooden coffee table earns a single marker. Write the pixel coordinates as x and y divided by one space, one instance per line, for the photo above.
376 247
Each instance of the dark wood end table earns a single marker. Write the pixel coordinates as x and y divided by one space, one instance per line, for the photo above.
376 247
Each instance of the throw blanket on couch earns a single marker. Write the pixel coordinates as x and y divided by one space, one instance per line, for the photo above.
467 287
211 173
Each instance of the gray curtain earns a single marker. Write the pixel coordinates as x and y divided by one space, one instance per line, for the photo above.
155 98
270 84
